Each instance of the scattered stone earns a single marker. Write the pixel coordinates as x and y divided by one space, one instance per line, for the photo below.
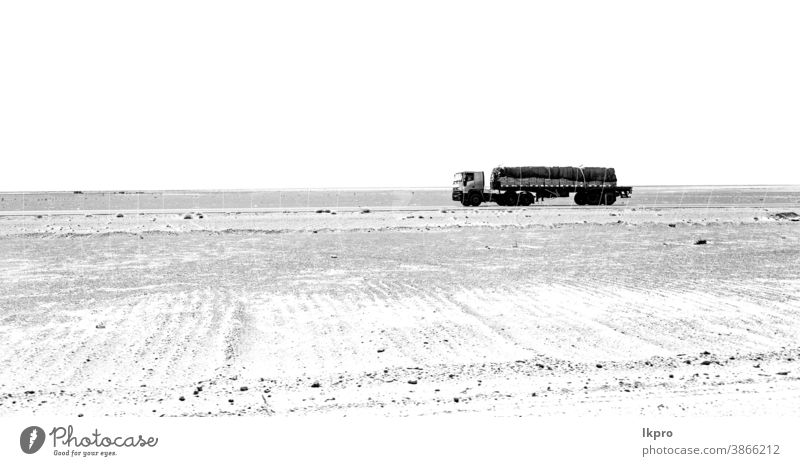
120 215
456 399
188 217
701 241
365 211
705 363
381 350
412 382
786 216
243 388
100 325
672 225
599 366
783 373
29 392
334 256
315 385
182 398
80 415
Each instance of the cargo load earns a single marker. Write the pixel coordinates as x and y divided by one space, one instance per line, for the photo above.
570 175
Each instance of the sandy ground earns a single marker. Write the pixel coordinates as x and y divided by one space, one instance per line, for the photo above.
518 311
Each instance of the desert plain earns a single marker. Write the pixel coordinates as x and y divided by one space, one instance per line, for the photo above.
395 309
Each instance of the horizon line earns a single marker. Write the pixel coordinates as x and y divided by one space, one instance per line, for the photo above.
370 188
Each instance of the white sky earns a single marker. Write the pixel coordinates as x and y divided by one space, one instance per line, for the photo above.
230 94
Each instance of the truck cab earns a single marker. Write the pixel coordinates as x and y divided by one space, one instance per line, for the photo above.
468 188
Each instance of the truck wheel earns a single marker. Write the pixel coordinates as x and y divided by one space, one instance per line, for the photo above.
610 199
511 199
475 199
525 199
580 198
594 198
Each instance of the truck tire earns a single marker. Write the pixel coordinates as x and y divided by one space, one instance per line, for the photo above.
610 199
594 198
511 198
525 199
580 198
475 199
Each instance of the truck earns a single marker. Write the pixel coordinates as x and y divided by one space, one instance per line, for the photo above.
522 186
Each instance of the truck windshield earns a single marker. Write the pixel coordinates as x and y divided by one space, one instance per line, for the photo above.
457 178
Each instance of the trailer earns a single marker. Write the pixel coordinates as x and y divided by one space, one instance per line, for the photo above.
523 186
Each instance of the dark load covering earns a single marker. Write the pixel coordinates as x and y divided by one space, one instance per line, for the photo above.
585 174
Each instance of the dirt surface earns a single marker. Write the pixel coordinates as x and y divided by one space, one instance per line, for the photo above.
517 311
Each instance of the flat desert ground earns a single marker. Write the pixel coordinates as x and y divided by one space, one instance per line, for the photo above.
543 310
